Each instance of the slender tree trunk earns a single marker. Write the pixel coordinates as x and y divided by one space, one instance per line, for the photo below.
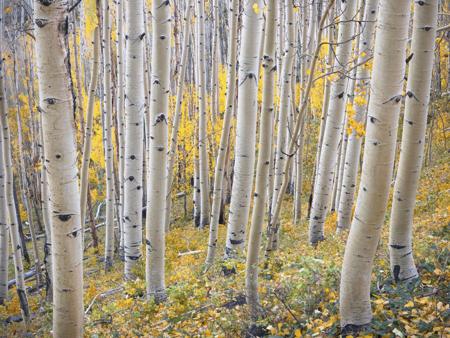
177 115
323 184
157 169
293 146
202 135
4 226
219 170
57 106
45 203
9 194
135 106
352 154
108 142
246 126
379 151
281 153
84 179
413 140
120 99
262 167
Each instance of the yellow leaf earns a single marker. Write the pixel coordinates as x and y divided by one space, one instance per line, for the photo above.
255 8
409 304
297 333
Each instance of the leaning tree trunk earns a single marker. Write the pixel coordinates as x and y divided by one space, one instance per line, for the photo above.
157 168
246 125
281 153
379 152
323 184
202 135
9 195
352 154
57 107
134 152
225 136
413 140
108 142
177 115
262 167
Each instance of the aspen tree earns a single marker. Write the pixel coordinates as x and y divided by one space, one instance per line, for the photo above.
86 158
413 140
157 168
263 163
352 154
282 138
134 118
177 115
202 136
11 215
57 107
120 108
225 136
379 151
246 125
323 184
293 145
108 142
4 228
45 202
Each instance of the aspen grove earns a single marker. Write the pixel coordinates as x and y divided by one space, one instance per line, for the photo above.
224 168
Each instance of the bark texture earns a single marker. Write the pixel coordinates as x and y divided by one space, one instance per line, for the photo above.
413 140
379 150
57 106
246 125
323 184
157 168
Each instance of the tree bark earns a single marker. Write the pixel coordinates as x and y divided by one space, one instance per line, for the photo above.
262 167
379 151
413 140
57 107
225 136
134 152
157 168
323 184
353 152
246 126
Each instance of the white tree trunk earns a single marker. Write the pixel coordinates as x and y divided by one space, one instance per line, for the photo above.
293 146
11 215
120 100
84 177
352 154
177 115
134 152
246 125
379 151
413 140
157 168
281 153
45 202
225 136
262 167
57 107
4 227
323 185
202 135
108 142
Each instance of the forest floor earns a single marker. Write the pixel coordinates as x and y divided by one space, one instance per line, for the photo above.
298 286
